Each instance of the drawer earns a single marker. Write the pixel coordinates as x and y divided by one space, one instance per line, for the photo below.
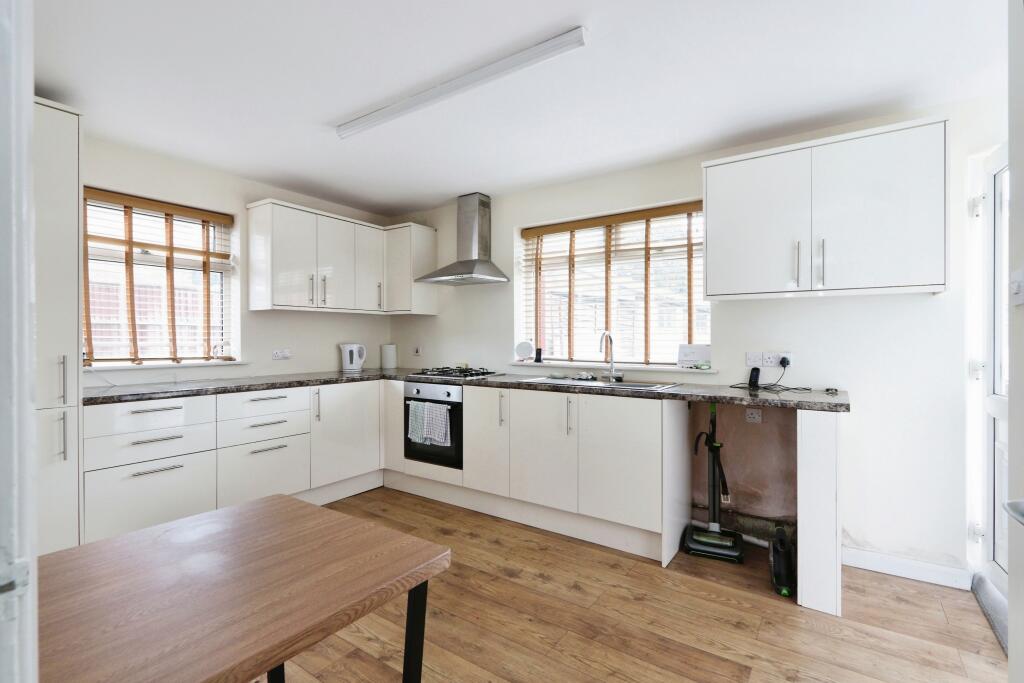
122 499
255 403
125 449
262 469
261 428
138 416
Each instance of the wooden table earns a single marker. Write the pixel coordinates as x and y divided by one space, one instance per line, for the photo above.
226 595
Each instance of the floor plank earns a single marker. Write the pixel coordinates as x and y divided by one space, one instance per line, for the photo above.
523 604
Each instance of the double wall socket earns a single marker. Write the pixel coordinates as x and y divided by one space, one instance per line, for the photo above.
281 354
767 359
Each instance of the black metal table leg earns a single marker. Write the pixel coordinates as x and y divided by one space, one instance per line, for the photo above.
276 675
415 623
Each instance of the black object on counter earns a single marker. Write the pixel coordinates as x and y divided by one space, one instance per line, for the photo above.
536 355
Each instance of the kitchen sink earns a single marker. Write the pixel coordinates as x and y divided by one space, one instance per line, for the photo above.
567 381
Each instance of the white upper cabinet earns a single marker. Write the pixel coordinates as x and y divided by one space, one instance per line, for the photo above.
369 269
411 251
878 210
758 217
485 439
335 263
58 208
294 256
862 212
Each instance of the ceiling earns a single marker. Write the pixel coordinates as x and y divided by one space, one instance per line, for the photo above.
255 86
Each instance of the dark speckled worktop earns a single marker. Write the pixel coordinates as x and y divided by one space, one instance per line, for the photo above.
707 393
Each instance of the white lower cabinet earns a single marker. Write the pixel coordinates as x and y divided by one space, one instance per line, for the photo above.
392 420
255 470
345 432
543 453
620 460
57 478
130 497
485 439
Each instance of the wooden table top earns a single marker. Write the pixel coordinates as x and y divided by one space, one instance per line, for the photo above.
221 596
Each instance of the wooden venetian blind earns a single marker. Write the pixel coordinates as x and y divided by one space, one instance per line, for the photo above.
637 273
157 283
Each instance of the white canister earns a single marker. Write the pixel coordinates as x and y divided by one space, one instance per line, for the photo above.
388 356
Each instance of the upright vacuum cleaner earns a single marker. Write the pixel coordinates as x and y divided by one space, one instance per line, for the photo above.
715 541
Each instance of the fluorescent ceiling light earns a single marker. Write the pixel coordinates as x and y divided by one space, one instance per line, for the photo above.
570 40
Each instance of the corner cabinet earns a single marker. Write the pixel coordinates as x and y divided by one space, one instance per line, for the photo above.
857 213
303 259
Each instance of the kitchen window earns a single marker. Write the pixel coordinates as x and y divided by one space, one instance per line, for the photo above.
639 274
157 281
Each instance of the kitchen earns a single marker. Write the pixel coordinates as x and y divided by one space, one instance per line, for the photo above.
647 368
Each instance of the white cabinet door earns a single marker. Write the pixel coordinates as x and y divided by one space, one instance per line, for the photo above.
293 256
255 470
123 499
879 208
392 424
398 269
57 478
345 433
57 210
369 268
757 214
620 460
543 459
485 439
335 263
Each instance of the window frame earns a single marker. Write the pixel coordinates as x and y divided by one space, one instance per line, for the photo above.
608 222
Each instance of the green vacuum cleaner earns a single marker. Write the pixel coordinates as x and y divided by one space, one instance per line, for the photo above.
714 542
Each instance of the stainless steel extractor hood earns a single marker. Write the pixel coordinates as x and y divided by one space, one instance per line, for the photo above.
473 247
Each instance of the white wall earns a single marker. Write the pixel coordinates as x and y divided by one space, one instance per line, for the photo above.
902 357
312 337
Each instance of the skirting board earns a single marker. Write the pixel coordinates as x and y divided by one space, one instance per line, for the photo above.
626 539
323 495
907 568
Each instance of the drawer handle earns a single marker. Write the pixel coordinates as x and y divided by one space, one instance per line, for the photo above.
158 439
155 410
159 469
269 448
267 398
267 424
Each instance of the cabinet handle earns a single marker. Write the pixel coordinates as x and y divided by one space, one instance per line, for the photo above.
797 278
158 439
568 416
159 469
312 278
380 295
822 261
317 405
140 411
63 362
64 435
323 296
267 398
501 410
269 448
268 424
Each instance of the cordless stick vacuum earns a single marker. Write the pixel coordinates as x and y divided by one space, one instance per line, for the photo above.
714 541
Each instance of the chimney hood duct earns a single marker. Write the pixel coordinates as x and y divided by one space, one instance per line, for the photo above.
473 250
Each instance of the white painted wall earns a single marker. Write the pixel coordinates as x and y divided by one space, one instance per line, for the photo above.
902 357
312 337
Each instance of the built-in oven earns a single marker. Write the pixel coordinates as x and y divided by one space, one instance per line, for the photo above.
449 396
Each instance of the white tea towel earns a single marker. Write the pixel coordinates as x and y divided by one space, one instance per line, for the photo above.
416 422
435 424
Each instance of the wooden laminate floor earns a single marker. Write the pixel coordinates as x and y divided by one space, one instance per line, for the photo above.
520 604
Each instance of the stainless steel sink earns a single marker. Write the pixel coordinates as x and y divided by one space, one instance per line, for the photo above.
567 381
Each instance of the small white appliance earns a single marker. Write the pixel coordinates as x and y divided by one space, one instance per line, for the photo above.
352 357
696 356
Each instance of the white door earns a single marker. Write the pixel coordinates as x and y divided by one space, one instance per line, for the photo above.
345 432
543 457
369 268
485 439
293 256
335 263
879 208
57 478
757 215
620 460
392 421
57 193
398 276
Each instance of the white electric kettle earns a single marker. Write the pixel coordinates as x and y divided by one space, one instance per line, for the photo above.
352 357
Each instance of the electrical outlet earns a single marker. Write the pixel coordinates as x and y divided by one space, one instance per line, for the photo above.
281 354
754 359
754 416
415 350
773 359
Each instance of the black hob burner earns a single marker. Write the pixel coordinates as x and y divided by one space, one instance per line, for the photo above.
461 373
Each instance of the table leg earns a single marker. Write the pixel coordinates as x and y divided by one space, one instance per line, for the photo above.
276 675
415 622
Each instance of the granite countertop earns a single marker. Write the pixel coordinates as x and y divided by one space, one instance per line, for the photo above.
708 393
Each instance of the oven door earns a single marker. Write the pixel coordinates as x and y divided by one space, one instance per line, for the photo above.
445 456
